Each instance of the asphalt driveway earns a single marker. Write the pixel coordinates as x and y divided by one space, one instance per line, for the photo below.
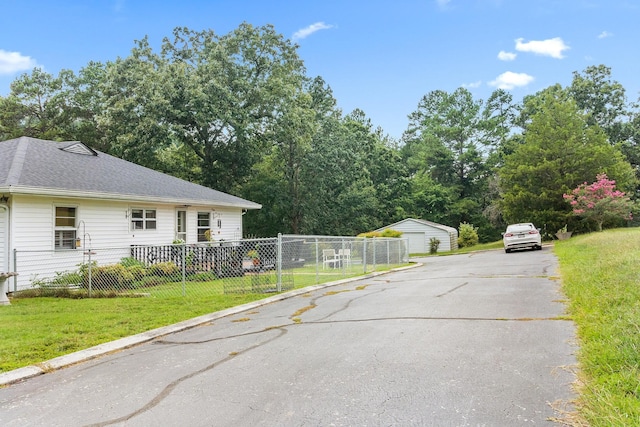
463 340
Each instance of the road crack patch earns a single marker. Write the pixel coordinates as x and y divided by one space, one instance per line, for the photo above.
452 290
172 386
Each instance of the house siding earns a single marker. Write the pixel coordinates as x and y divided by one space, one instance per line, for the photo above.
100 224
413 229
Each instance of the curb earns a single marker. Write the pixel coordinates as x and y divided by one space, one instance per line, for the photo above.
21 374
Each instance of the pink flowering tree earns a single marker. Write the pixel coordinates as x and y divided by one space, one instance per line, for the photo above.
600 201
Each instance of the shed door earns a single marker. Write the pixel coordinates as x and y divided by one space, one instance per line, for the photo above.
417 243
4 239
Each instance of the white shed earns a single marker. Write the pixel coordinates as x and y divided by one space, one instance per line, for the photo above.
419 232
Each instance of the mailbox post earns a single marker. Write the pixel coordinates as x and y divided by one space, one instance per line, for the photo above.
3 291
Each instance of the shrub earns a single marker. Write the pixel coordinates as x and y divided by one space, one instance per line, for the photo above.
114 276
129 262
150 281
467 235
164 269
369 234
391 233
433 245
385 233
138 271
203 277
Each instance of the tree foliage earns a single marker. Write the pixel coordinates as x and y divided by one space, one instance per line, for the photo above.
238 113
600 201
467 235
220 97
559 151
451 149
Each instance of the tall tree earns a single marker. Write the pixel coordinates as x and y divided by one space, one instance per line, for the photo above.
278 181
35 107
450 138
85 104
337 179
220 96
559 151
293 136
603 101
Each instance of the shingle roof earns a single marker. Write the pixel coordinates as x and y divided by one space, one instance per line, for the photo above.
36 166
424 222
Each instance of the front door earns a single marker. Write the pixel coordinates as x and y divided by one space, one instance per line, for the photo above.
181 225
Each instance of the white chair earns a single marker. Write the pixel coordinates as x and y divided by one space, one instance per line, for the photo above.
345 256
330 258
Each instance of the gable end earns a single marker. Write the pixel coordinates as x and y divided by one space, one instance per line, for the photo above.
79 148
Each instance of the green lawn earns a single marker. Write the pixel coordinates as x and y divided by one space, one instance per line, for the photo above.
38 329
475 248
601 278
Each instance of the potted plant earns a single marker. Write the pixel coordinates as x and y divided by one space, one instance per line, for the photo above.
255 256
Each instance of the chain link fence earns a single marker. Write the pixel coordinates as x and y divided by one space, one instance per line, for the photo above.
183 270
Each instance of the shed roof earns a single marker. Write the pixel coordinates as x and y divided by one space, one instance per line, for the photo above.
423 222
72 169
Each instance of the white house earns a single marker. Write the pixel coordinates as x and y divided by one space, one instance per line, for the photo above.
61 197
419 233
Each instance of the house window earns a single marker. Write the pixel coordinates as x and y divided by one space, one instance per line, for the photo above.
65 228
181 225
204 225
143 219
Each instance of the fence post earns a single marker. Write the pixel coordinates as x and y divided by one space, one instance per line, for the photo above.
279 262
405 250
374 254
15 268
184 268
388 253
342 263
317 263
89 272
364 254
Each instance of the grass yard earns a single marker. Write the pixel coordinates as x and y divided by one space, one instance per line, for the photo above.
601 277
474 248
38 329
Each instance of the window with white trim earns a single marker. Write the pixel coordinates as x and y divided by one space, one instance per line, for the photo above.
204 224
65 228
143 219
181 225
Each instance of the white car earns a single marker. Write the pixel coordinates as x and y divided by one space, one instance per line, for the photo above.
521 236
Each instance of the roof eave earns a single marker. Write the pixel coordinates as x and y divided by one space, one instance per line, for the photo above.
79 194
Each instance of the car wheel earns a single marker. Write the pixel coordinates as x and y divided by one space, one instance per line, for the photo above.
507 250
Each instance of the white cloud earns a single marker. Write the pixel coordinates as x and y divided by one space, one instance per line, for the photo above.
605 34
443 3
11 62
306 32
472 85
510 80
506 56
550 47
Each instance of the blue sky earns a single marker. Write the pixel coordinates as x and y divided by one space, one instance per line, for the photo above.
379 56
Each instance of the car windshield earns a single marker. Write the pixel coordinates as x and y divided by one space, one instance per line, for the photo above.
519 228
